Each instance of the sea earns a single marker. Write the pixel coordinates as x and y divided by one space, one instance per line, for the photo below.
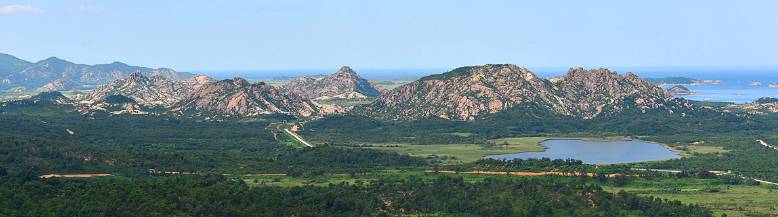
732 84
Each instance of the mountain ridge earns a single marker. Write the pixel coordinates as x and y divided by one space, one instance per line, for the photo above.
467 93
238 97
54 73
156 90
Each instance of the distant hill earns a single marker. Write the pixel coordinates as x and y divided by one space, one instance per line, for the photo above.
679 90
57 74
10 64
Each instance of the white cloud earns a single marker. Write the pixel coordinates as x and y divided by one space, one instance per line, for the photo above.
86 8
10 9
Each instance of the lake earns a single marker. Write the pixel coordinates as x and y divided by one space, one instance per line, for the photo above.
597 151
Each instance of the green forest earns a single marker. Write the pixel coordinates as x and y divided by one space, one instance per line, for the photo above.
220 196
143 154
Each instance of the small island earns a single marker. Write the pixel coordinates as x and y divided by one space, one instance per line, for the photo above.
679 90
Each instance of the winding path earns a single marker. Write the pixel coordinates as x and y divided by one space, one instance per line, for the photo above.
763 143
298 138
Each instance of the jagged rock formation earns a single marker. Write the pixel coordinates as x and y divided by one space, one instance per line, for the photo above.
592 92
343 84
238 97
469 92
54 73
151 91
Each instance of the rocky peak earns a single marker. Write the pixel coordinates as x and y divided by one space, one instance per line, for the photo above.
54 60
346 71
465 93
136 75
343 84
240 82
117 63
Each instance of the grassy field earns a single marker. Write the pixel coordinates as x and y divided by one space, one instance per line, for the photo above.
734 200
461 153
705 149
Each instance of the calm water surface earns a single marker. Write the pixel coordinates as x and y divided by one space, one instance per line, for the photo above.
598 152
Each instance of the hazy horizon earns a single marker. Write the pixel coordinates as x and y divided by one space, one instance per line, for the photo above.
291 35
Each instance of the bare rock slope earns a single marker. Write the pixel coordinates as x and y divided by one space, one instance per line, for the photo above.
238 97
469 92
343 84
156 90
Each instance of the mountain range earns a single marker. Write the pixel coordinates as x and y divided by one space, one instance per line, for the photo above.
57 74
463 94
469 92
199 95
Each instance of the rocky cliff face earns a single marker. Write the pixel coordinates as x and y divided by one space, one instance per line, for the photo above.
238 97
151 91
592 92
55 74
343 84
469 92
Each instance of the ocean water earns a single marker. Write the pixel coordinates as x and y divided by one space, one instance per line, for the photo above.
735 83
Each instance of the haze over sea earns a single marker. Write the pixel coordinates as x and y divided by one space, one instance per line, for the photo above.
736 82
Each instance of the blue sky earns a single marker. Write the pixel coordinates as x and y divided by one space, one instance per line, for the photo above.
264 35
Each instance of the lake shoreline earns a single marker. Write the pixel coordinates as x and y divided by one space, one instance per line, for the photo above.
620 152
